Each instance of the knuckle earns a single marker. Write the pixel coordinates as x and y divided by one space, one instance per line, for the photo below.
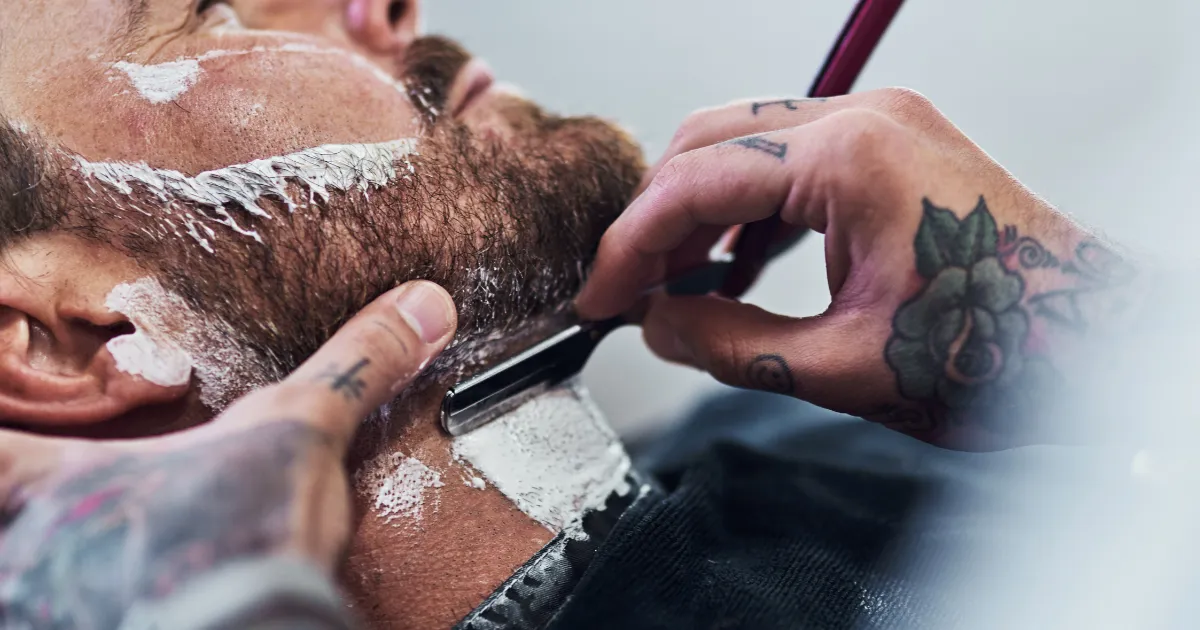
910 106
693 125
859 134
905 98
673 173
725 354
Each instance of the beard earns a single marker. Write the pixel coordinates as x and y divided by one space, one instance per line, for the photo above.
507 225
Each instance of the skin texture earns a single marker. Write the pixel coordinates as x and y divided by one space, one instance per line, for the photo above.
73 506
959 298
105 120
433 572
291 76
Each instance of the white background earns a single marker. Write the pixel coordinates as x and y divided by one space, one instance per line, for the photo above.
1094 104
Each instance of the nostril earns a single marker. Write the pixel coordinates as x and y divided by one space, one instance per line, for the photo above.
396 11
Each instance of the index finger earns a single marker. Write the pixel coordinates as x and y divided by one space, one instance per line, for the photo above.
727 184
364 365
714 125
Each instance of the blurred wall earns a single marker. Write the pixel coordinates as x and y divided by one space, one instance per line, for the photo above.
1093 104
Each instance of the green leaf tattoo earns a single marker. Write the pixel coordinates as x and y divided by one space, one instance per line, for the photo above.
942 240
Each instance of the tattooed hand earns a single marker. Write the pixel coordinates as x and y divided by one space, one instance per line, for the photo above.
89 532
957 294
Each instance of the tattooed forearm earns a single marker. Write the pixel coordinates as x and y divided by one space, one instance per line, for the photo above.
347 382
777 150
791 104
771 373
163 520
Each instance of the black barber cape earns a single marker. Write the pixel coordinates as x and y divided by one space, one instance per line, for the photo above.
768 513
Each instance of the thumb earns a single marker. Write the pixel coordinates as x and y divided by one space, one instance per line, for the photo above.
365 364
832 360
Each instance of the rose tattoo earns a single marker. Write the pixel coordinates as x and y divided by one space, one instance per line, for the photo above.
957 345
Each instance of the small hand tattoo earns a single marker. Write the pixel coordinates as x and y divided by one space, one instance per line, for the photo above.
1030 254
771 373
348 382
1098 295
791 104
777 150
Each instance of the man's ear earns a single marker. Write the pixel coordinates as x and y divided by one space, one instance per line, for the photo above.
56 366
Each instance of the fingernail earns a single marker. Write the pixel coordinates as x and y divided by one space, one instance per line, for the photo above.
427 310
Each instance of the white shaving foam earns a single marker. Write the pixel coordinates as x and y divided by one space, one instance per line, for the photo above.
554 457
163 82
398 484
146 353
172 341
163 364
309 49
319 170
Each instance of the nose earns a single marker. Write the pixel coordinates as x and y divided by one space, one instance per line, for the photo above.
376 27
382 26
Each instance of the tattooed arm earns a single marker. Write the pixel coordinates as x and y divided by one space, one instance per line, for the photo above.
235 524
962 304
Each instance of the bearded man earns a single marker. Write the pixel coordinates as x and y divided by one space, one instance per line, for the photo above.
194 197
198 194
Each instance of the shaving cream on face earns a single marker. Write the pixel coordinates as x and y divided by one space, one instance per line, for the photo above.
318 171
163 364
554 457
398 484
163 82
172 342
146 352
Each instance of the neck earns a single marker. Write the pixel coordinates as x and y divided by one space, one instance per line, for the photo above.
443 522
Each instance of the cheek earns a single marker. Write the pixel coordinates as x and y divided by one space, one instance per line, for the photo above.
239 109
281 106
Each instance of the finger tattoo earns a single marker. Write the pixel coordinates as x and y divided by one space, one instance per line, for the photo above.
347 382
777 150
771 373
791 104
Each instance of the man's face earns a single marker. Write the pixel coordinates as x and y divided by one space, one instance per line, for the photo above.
275 76
496 200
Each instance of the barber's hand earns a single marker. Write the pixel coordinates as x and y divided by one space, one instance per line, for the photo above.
954 288
89 529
